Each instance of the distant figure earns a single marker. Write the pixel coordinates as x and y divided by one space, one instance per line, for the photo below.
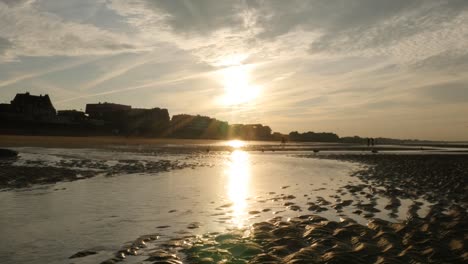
372 141
283 141
368 142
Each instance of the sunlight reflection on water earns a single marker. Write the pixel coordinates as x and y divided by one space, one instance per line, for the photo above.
238 173
236 144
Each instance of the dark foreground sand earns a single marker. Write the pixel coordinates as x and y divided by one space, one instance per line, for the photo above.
441 236
437 238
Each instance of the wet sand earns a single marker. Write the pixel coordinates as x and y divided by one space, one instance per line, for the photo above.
436 238
38 173
49 223
437 178
15 176
440 236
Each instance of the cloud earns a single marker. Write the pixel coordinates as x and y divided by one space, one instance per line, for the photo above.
114 73
4 45
202 16
403 31
450 62
406 35
36 33
45 71
447 92
16 2
208 29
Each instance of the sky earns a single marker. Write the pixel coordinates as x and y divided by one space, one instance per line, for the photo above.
374 68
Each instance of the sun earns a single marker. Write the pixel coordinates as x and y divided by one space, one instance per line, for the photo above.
238 88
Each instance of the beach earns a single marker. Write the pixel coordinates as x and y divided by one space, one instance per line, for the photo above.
233 132
169 201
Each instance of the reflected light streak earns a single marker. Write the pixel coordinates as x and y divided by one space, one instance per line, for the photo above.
238 173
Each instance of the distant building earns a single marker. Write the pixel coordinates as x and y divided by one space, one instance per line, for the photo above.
190 126
105 110
190 122
148 122
250 131
29 107
123 119
71 115
5 108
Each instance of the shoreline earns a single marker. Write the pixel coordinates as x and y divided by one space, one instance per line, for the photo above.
426 166
92 141
12 141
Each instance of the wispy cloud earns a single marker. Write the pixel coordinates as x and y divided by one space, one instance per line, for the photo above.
36 33
111 74
42 72
152 84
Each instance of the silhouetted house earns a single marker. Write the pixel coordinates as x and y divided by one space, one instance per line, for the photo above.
123 119
250 131
71 116
105 111
148 122
29 107
190 126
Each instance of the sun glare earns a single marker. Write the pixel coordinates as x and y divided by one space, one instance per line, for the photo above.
233 59
236 144
238 88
